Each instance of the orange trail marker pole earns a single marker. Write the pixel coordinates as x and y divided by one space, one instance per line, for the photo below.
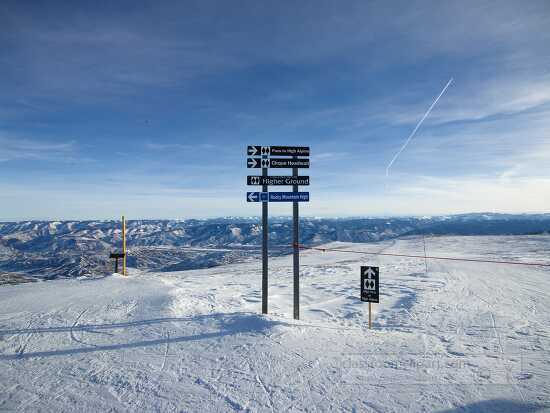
123 245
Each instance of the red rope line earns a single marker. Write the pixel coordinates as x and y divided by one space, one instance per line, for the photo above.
421 256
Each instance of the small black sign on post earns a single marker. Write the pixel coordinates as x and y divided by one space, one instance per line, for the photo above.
370 286
116 256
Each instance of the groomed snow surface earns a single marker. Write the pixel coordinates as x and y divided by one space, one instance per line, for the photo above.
462 337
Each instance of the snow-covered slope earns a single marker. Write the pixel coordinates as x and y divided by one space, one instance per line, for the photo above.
461 337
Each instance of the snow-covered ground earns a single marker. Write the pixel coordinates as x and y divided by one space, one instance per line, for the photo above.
461 337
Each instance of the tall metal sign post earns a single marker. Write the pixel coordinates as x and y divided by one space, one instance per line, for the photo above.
296 247
299 159
265 233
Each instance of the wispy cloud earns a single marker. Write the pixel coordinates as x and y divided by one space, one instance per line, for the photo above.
330 156
13 148
166 146
475 100
160 146
480 193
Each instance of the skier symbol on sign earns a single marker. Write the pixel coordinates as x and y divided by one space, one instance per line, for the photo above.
369 284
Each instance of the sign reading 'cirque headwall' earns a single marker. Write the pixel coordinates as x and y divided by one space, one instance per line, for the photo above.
277 163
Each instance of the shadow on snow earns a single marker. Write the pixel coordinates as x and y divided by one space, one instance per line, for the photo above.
228 324
497 406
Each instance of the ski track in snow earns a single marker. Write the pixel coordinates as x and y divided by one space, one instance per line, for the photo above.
25 341
71 331
460 335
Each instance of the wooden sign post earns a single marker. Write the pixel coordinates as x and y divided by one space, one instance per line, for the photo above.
370 318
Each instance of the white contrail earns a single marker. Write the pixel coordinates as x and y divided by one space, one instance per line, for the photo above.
417 126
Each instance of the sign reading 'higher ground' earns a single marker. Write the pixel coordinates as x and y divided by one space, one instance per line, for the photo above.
277 180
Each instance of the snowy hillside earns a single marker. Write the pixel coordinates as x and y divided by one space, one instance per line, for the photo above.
461 337
48 250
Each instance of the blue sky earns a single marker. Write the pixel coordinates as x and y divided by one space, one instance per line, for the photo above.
146 108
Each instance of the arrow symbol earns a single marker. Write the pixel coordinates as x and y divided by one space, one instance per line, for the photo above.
252 150
252 163
252 196
370 273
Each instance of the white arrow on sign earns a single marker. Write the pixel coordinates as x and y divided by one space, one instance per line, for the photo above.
252 196
370 273
252 150
252 162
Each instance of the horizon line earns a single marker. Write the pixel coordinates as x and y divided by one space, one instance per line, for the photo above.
251 217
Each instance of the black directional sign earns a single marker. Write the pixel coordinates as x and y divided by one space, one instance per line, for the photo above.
277 180
256 150
277 196
370 285
277 163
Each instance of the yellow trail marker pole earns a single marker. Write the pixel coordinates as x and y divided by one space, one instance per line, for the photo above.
369 317
123 245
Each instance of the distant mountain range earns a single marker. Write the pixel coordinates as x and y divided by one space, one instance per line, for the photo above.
52 249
